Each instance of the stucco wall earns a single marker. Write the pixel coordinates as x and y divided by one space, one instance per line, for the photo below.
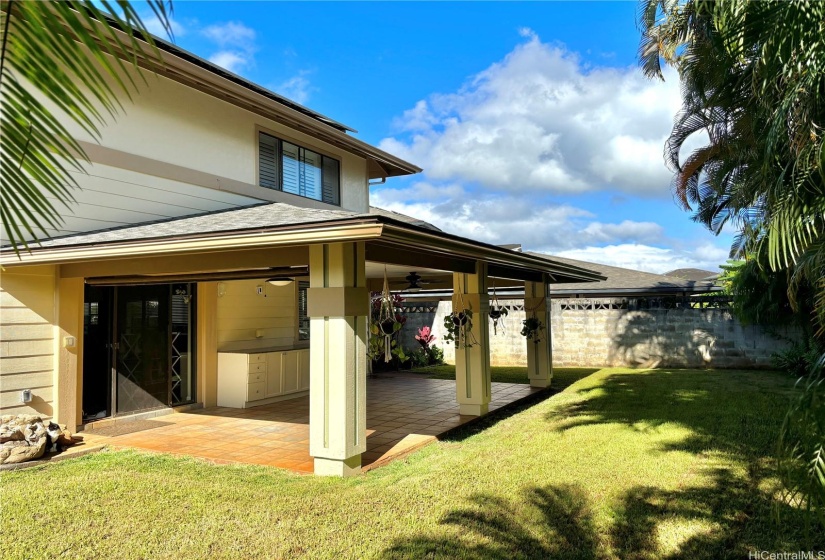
595 333
27 339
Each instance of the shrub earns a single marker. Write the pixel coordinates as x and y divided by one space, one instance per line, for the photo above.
798 360
436 355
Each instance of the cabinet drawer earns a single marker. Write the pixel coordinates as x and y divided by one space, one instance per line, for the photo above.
257 367
257 377
254 358
256 391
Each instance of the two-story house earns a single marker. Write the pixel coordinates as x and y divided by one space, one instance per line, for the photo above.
221 252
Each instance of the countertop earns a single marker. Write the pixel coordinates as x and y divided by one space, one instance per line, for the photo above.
265 349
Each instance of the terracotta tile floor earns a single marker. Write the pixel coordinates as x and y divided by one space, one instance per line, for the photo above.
404 413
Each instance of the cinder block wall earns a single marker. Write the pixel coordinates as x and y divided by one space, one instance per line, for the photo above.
597 332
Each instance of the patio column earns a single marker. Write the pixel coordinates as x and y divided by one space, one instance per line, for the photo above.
539 354
338 306
472 364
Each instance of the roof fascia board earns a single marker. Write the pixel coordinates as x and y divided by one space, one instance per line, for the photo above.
283 237
410 235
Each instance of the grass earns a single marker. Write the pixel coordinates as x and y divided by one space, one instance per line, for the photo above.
621 464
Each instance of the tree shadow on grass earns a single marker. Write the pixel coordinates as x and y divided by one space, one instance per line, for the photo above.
550 522
724 519
560 383
735 412
732 416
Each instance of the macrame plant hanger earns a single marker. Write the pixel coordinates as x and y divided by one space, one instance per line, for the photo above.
460 320
497 313
386 316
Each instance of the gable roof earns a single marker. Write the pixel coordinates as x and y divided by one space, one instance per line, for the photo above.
624 281
692 274
186 68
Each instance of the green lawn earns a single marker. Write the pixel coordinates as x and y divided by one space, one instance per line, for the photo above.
621 464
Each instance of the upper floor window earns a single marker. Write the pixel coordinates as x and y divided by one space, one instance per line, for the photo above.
287 167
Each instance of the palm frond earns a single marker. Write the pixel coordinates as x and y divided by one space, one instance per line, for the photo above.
80 57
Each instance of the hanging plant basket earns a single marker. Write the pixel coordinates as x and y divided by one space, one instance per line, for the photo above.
531 328
389 326
458 327
498 312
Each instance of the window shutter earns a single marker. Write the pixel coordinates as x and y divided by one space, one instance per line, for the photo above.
268 173
292 169
332 181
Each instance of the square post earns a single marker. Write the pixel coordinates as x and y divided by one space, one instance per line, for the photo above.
338 307
539 354
472 364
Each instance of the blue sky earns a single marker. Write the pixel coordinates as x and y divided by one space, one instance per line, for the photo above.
531 120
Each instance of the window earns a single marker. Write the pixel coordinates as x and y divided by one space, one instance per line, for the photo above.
287 167
303 318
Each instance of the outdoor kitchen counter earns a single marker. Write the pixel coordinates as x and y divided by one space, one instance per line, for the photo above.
255 376
265 349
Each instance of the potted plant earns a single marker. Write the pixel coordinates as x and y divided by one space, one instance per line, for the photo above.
531 327
497 314
458 327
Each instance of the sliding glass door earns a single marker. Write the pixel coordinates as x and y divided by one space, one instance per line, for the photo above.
139 345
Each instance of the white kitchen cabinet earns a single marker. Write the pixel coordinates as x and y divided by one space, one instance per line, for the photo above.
248 379
303 369
241 378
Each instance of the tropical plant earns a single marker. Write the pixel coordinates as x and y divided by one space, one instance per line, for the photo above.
800 359
81 57
760 296
753 85
425 337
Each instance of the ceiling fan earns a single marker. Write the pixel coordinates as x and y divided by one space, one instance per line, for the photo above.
414 283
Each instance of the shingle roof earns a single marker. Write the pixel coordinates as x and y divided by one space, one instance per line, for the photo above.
249 217
402 217
692 274
624 280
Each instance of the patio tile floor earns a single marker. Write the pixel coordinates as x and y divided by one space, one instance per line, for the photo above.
404 412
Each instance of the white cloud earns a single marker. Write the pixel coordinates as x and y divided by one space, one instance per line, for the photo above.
297 88
233 61
155 27
512 219
539 120
236 44
649 258
230 33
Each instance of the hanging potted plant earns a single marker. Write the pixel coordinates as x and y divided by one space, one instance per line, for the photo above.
387 324
458 328
497 313
531 327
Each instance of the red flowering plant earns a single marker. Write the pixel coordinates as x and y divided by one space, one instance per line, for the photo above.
424 337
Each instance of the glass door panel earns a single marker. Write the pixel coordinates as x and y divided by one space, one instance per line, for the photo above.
143 349
183 364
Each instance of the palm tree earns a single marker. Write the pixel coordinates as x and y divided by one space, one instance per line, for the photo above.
753 82
60 60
